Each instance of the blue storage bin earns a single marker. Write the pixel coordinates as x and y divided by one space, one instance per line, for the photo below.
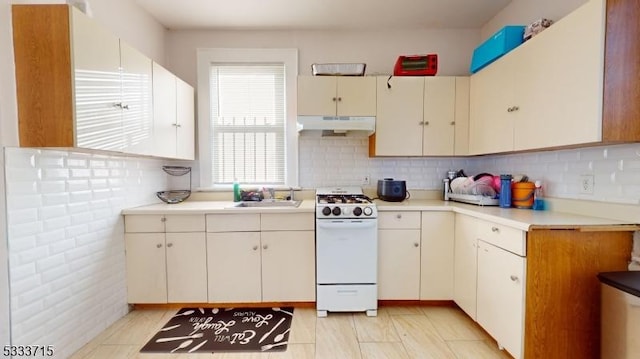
503 41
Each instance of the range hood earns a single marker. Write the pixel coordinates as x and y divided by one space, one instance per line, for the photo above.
337 124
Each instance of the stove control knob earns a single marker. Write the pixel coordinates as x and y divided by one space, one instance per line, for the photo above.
336 211
357 211
367 211
326 211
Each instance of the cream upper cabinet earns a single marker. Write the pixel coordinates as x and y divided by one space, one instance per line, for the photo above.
500 299
399 116
421 116
465 264
173 115
544 93
336 95
437 256
560 94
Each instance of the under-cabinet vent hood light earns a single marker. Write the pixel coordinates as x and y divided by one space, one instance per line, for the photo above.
340 124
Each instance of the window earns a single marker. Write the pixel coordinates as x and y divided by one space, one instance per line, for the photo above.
246 117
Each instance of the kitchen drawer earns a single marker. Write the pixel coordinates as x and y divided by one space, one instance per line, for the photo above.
249 222
398 220
507 238
184 223
287 221
144 223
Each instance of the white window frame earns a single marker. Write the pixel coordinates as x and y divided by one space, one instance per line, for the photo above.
228 55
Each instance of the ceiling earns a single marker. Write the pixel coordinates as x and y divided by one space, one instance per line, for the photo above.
322 14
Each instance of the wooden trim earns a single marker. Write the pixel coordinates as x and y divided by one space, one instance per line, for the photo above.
224 305
372 145
42 52
562 318
621 103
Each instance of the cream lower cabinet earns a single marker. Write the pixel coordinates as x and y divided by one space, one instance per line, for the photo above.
399 255
165 259
436 256
500 297
465 264
261 257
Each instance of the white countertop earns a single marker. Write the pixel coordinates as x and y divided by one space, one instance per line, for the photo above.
523 219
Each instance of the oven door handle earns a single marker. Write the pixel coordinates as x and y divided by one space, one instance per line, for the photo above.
346 224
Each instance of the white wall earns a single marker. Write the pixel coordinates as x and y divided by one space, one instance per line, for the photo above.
523 12
127 20
378 49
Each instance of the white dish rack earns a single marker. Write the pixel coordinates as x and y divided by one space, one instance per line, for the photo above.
477 199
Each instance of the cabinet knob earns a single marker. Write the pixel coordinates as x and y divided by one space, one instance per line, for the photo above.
421 123
513 278
426 123
398 216
255 248
339 99
125 107
495 229
169 245
516 108
177 125
334 99
158 245
452 123
265 247
416 244
163 219
510 109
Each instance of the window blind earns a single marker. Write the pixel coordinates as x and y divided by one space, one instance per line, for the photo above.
247 123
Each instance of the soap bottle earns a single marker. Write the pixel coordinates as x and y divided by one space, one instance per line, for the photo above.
538 201
236 191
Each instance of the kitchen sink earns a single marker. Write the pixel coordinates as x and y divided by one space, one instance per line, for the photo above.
267 203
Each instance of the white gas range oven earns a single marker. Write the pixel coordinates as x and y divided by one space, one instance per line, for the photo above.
346 251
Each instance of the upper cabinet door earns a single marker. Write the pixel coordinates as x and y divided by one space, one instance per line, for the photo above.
560 93
356 96
317 95
185 119
399 116
491 107
439 116
96 71
137 103
164 111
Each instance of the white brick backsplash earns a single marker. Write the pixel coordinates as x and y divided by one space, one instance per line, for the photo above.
66 241
616 168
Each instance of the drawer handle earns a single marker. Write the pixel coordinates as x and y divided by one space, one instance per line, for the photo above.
347 292
255 248
513 278
170 245
158 245
416 244
495 229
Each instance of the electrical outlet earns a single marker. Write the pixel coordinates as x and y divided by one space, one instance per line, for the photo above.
366 180
586 184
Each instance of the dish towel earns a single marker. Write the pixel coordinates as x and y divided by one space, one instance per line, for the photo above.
635 253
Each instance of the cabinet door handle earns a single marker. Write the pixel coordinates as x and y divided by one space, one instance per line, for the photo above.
265 247
416 244
516 108
510 109
158 245
177 125
255 248
169 245
495 229
513 278
125 107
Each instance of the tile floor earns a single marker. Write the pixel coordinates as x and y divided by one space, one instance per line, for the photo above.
397 332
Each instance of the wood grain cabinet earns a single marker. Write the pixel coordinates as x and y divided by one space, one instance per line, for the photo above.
336 95
421 116
544 93
166 259
261 257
